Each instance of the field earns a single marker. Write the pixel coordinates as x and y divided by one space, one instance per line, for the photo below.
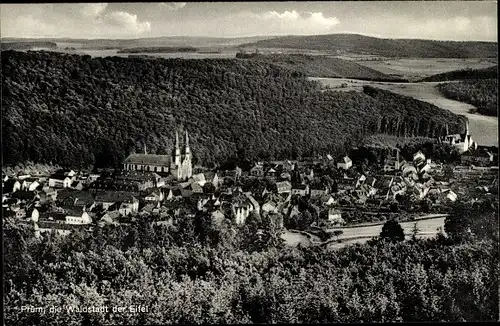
413 69
484 129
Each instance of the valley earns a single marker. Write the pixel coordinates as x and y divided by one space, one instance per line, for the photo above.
483 128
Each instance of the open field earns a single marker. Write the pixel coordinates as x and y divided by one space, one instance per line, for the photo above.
412 69
484 129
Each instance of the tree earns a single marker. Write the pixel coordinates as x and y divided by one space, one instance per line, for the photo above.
392 231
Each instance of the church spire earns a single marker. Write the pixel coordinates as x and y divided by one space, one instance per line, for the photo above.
467 127
177 157
186 144
145 149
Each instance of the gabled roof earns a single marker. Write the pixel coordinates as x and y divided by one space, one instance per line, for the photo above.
148 159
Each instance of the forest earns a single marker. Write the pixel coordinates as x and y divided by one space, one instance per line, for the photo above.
78 111
482 93
486 73
201 272
159 49
360 44
323 66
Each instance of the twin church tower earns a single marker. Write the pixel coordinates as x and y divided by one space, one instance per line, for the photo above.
179 164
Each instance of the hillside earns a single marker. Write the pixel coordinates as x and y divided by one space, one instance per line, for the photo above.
486 73
163 41
359 44
482 93
79 111
323 66
27 45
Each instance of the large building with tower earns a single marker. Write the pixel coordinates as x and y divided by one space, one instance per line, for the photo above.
178 164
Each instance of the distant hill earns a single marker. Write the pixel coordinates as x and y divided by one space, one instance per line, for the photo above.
159 49
323 66
486 73
359 44
79 111
163 41
28 45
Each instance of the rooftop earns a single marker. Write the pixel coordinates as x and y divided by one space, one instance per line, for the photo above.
148 159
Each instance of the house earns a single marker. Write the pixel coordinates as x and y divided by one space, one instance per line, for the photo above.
30 184
345 163
77 185
283 186
60 181
109 198
360 181
257 171
327 200
109 218
318 191
334 216
156 196
195 188
271 173
217 217
74 215
242 205
213 178
451 196
84 199
32 214
199 179
270 207
129 206
419 158
301 190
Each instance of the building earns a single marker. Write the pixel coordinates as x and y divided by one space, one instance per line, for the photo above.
179 165
283 187
60 181
461 142
478 156
345 163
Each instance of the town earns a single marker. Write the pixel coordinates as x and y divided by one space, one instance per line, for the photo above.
320 192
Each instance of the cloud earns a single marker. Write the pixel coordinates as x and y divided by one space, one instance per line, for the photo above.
93 10
288 22
127 22
91 20
173 5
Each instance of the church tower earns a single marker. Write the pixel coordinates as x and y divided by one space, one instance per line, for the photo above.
177 154
187 169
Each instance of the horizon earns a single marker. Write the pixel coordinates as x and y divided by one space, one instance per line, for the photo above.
459 21
229 37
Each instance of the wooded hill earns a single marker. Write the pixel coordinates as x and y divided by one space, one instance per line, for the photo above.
78 111
486 73
323 66
199 272
359 44
482 93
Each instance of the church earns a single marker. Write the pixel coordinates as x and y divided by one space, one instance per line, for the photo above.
179 165
462 142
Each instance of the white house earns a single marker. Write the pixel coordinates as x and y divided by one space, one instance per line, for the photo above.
345 163
451 196
335 216
78 218
60 181
284 186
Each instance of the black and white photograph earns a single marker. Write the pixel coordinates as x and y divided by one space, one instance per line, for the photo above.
305 162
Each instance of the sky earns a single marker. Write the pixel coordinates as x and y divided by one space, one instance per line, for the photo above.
439 20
